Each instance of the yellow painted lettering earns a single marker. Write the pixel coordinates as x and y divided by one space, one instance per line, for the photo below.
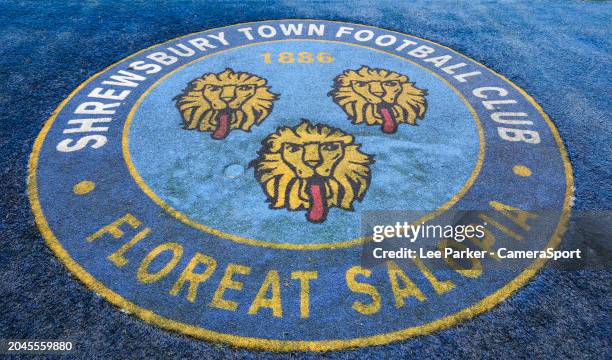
194 279
363 288
304 277
409 289
144 276
228 282
271 282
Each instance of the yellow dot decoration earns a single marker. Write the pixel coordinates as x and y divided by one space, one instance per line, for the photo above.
84 187
521 170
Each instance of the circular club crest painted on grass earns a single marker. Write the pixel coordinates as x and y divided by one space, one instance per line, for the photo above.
215 184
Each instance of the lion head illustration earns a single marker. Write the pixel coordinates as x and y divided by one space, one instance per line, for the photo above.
312 167
224 101
379 97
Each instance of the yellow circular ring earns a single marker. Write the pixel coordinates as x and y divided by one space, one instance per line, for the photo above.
243 240
483 305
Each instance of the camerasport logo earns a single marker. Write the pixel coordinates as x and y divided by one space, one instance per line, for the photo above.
214 185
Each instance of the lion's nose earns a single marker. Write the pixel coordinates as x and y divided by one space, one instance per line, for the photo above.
312 157
228 93
376 88
312 163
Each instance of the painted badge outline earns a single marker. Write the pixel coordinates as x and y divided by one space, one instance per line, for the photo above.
280 345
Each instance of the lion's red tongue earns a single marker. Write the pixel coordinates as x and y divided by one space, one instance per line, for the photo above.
317 211
222 126
389 125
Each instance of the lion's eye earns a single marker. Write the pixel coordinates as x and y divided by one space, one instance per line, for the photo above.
214 87
360 83
292 147
330 146
390 83
245 87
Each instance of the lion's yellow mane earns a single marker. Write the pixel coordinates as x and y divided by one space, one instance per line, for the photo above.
410 104
349 181
197 112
